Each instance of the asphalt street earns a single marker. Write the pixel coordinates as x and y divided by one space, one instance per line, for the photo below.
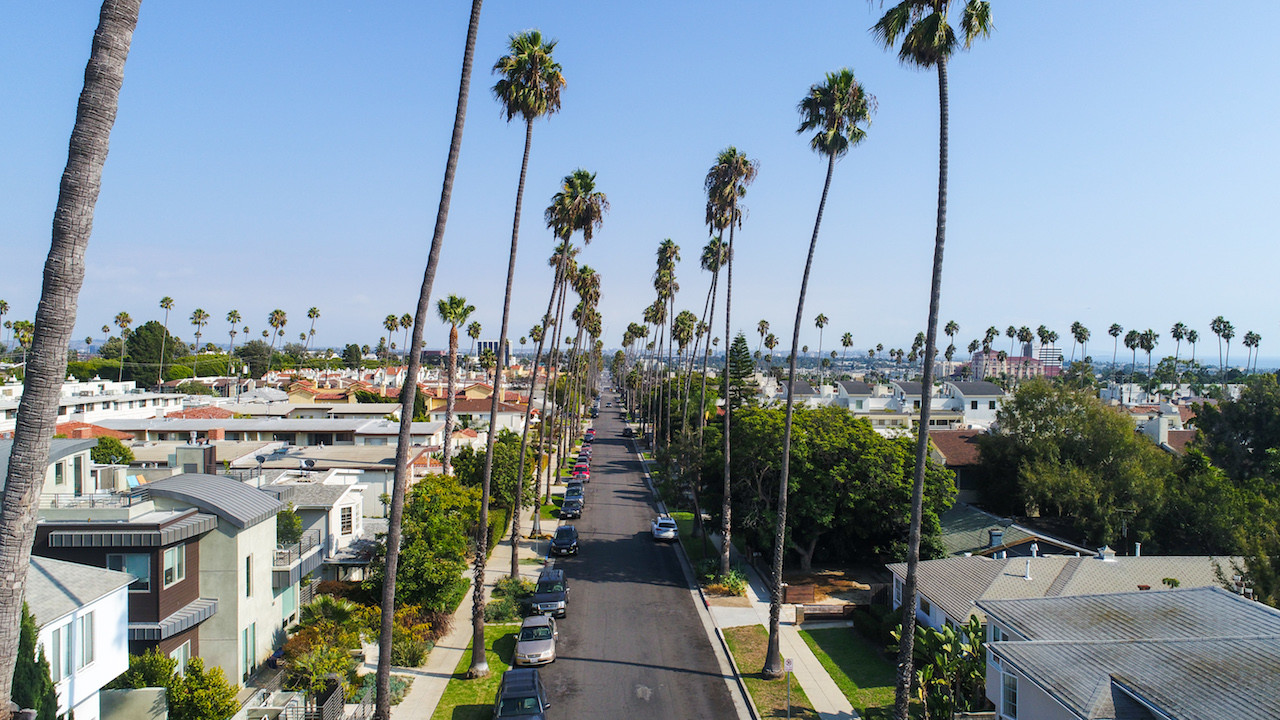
633 644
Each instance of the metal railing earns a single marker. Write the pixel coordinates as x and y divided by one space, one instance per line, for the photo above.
289 554
92 500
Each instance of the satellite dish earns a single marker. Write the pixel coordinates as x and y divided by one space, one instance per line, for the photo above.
261 459
310 463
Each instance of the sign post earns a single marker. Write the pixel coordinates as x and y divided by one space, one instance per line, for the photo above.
788 666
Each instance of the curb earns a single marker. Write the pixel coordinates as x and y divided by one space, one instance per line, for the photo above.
737 675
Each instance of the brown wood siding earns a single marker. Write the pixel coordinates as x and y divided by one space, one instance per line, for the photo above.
175 597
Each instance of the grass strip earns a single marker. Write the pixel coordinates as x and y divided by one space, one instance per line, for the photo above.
864 677
465 699
748 645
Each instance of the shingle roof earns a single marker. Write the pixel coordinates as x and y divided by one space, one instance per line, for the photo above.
908 388
801 388
855 387
239 504
966 529
56 587
1179 439
58 448
1193 654
956 584
978 387
309 495
958 447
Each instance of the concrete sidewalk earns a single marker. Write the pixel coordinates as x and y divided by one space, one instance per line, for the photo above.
429 681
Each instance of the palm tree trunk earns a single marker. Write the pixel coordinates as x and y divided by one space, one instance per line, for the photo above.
773 655
165 336
450 391
706 357
46 366
410 387
726 509
554 426
902 690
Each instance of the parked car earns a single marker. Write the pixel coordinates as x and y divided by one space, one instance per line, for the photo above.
628 432
608 404
565 541
536 643
571 509
521 695
583 469
551 594
665 528
575 491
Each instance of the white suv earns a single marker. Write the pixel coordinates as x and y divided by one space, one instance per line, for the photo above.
664 528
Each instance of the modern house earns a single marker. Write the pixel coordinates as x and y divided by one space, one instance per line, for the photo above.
978 401
308 431
1187 654
82 614
92 402
331 505
948 590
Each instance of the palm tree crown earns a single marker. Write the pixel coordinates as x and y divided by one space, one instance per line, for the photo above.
837 110
530 80
927 38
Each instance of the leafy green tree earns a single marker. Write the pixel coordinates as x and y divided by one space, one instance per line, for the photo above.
195 388
257 354
1242 436
110 451
741 373
144 349
351 356
33 686
439 516
288 525
468 465
195 694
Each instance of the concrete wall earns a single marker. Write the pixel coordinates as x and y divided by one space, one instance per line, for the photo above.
222 576
79 690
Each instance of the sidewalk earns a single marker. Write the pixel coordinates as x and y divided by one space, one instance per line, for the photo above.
430 679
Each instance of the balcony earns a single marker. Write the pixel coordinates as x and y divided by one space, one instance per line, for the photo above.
53 501
292 562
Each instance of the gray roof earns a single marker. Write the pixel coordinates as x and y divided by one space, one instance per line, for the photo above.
58 448
966 528
802 388
908 388
56 587
978 387
855 387
239 504
956 584
309 495
1195 654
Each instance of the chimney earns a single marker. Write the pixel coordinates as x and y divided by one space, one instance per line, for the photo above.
995 537
1137 549
81 433
1027 575
1106 554
216 434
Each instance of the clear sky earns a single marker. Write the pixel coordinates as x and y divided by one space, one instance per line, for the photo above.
1110 162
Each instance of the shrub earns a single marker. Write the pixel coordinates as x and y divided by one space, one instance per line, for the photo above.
368 684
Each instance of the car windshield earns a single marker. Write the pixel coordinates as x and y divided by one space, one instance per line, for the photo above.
515 707
550 586
564 534
536 633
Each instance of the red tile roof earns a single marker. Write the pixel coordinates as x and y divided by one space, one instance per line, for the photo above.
202 413
959 447
84 430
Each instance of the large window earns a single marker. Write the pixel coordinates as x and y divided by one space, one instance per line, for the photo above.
84 640
248 657
897 592
175 564
346 520
1009 695
136 564
925 608
60 662
182 654
59 473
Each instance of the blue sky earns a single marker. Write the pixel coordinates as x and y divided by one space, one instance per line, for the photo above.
1111 162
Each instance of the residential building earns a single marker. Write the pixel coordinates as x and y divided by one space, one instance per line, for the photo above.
977 401
92 402
1186 654
330 504
949 589
82 615
70 472
967 530
299 431
958 451
990 364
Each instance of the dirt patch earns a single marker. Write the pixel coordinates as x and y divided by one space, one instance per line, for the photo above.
834 585
728 600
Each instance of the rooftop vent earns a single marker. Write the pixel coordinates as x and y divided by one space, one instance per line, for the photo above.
1106 554
995 537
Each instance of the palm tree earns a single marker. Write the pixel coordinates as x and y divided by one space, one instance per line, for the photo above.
715 254
4 310
313 314
404 441
1147 341
1011 332
820 322
406 324
846 341
1132 340
762 328
1080 334
233 319
277 320
1228 332
1178 332
199 318
726 184
927 42
123 321
473 332
950 329
1025 336
837 109
166 303
528 85
1114 331
55 318
453 311
1193 337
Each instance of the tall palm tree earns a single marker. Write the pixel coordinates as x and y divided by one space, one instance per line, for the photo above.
473 332
837 111
1216 325
166 303
277 319
762 328
123 321
771 342
1114 331
404 439
1011 332
951 328
726 183
529 84
313 314
406 324
820 322
846 341
46 367
1178 332
715 255
1132 340
1193 337
1025 336
1228 331
927 42
1081 334
233 319
1147 341
453 311
4 310
390 323
199 318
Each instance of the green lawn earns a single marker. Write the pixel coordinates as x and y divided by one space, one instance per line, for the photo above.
748 644
465 699
695 548
551 510
864 677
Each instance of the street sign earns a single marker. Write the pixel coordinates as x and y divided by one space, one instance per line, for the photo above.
789 665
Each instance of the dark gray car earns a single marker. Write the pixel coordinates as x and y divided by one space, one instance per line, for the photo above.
551 594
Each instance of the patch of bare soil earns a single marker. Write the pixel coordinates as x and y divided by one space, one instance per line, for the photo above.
832 585
728 600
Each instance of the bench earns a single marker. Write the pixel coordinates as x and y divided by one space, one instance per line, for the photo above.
818 613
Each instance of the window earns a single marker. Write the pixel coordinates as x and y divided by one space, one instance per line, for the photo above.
897 592
973 404
59 472
991 405
182 654
77 474
249 639
1009 696
917 404
346 520
60 663
175 564
136 564
248 575
84 639
925 608
998 635
858 404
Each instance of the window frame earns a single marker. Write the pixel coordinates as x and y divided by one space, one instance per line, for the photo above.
182 654
248 575
179 554
1009 695
925 607
84 641
346 519
124 567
